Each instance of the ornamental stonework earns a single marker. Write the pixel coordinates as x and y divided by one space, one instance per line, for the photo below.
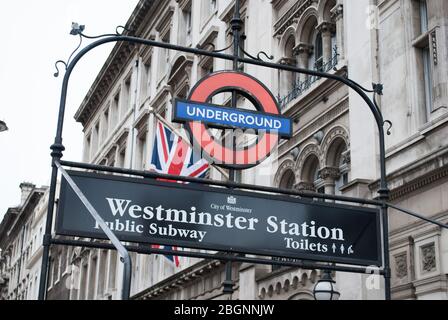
285 166
291 16
329 173
337 12
305 186
309 149
428 257
401 266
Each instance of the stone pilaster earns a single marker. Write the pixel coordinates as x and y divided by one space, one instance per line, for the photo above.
303 51
337 14
327 29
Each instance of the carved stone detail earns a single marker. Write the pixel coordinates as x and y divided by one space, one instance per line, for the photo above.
334 133
327 27
329 173
309 149
346 157
305 186
285 166
337 12
289 17
434 47
428 257
401 265
288 61
302 48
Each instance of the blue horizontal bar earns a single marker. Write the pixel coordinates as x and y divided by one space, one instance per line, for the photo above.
226 117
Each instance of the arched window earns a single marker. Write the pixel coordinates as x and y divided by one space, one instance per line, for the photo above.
318 52
310 173
310 36
287 79
288 180
337 157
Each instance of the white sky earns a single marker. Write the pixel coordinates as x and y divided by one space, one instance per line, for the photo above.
35 34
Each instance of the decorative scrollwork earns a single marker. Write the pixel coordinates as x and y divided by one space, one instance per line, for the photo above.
117 33
269 57
77 30
217 50
390 126
56 74
378 88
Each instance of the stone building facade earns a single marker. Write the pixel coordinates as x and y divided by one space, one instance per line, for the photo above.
401 44
21 234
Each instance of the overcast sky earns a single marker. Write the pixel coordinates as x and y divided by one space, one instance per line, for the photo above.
35 34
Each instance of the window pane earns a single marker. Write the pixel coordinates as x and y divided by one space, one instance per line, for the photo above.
427 78
423 16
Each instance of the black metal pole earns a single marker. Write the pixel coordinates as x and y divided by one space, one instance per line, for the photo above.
124 254
236 25
56 154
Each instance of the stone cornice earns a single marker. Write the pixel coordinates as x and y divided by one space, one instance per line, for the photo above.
209 37
157 102
419 183
141 122
292 14
416 176
113 66
180 71
165 21
178 279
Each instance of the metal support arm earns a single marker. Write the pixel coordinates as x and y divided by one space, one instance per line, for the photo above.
122 251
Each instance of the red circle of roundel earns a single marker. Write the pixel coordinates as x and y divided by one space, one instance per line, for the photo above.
221 155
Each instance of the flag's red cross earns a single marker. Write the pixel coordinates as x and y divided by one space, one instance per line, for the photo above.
217 151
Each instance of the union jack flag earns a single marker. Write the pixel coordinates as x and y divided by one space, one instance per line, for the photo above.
173 259
172 155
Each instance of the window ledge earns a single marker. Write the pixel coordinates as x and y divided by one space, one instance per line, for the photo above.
423 131
207 20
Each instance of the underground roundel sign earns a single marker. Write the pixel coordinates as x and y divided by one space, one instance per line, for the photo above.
259 131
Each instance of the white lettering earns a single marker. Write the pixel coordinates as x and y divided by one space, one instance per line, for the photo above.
272 222
119 206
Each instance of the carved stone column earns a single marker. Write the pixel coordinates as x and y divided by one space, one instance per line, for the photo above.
337 14
326 29
302 51
329 175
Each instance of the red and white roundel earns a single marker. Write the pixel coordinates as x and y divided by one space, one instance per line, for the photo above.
216 151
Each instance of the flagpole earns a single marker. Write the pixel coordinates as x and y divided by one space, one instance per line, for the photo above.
169 125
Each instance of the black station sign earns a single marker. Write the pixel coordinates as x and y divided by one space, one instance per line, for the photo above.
212 218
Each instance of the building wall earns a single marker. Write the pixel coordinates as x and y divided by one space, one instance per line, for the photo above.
21 237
